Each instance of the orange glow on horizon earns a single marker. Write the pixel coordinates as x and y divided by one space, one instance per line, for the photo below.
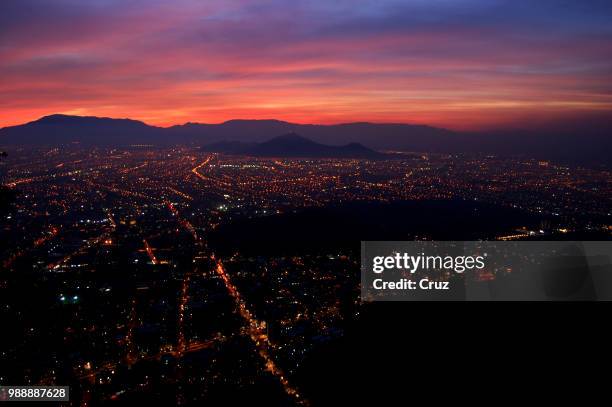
480 117
316 63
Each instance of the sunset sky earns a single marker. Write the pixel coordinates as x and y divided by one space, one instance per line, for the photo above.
461 64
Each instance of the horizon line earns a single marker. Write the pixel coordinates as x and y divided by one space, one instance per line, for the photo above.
227 121
547 126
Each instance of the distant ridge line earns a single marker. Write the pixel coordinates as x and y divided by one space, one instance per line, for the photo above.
589 146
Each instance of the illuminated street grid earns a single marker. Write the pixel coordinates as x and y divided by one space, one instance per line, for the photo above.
109 285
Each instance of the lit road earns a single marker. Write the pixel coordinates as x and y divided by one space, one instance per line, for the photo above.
256 329
51 233
257 333
149 251
201 165
90 243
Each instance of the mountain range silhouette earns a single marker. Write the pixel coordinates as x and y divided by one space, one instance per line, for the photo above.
584 145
